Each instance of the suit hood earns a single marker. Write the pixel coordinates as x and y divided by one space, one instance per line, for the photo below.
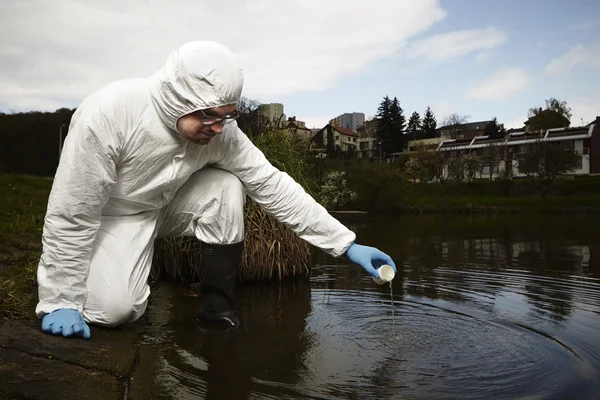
198 75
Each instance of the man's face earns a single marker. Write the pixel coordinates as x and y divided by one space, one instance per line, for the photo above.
193 127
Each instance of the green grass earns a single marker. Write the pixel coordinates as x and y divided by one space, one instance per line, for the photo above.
23 202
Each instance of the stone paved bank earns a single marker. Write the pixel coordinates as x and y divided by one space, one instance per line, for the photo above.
36 365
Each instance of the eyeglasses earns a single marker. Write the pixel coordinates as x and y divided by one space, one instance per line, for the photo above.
209 120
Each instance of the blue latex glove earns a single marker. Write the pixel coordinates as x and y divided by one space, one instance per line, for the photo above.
369 258
66 322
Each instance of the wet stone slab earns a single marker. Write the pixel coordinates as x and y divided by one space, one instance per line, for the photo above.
36 365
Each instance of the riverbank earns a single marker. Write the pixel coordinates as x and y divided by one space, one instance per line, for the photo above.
23 201
36 365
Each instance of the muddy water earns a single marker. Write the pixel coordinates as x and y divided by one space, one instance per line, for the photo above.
504 307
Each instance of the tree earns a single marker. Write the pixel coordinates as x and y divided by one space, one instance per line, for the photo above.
545 162
436 167
368 129
433 165
373 179
398 125
29 142
494 130
334 192
414 169
472 164
384 125
330 142
250 120
557 114
452 124
428 125
492 154
456 169
414 126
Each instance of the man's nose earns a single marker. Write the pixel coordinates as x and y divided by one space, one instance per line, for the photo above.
217 128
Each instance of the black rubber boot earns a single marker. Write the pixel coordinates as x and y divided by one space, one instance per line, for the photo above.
219 272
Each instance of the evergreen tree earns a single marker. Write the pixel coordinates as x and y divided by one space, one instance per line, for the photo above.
383 126
429 124
494 130
398 125
414 126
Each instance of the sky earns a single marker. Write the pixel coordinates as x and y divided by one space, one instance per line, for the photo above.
320 58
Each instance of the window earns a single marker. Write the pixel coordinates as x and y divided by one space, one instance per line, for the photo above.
567 144
579 165
486 168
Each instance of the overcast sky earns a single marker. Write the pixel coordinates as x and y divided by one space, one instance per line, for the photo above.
320 58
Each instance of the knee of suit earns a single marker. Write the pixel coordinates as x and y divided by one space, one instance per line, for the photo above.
233 189
231 198
114 311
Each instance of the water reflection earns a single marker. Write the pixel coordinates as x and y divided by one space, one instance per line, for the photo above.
483 307
265 356
535 255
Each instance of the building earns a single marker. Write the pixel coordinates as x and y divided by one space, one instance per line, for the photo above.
273 112
342 140
504 153
424 144
366 147
466 131
352 121
368 129
297 127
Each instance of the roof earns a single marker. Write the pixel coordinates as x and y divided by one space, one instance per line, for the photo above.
293 125
522 137
345 131
469 126
594 122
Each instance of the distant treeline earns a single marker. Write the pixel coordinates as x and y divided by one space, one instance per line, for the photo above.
29 142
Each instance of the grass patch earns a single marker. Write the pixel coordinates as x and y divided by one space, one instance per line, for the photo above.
23 201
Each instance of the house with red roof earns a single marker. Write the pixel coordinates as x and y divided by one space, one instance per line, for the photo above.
340 139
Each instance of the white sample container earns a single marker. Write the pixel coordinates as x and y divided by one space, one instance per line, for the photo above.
386 274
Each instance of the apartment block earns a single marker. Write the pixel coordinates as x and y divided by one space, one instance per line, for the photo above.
351 121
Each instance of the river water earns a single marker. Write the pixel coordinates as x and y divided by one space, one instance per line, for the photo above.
483 307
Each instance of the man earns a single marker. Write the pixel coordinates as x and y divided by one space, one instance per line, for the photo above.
157 157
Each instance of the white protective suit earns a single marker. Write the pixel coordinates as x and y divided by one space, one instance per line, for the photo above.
126 176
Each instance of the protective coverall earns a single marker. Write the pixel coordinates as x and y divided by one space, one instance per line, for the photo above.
126 176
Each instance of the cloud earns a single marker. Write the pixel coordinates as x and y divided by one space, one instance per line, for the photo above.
587 24
317 121
484 57
579 55
52 54
443 109
502 85
585 109
448 46
515 123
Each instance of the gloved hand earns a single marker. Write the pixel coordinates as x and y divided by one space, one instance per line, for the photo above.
67 322
369 258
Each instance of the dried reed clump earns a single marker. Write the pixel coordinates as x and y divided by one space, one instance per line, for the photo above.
176 258
271 251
